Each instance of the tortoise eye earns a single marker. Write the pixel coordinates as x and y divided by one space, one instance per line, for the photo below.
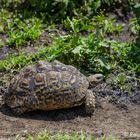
99 76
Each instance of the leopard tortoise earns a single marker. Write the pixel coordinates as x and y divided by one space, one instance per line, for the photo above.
49 86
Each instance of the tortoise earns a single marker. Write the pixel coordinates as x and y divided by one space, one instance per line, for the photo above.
50 86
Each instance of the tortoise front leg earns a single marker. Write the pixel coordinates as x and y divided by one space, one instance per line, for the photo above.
90 102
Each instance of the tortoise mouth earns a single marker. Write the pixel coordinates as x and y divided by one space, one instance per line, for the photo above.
14 107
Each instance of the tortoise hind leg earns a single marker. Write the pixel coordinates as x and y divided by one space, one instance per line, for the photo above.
90 102
18 111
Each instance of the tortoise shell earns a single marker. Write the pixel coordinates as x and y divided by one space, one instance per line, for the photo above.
49 86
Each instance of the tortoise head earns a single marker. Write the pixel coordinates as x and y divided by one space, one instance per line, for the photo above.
95 79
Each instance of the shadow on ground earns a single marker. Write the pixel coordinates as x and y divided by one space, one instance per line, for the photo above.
55 115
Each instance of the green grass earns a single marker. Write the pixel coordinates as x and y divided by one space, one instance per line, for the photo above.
18 31
64 136
83 52
91 52
60 8
21 32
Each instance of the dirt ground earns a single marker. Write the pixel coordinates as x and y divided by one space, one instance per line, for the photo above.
115 115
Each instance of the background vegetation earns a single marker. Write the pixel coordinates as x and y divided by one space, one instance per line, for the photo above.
84 33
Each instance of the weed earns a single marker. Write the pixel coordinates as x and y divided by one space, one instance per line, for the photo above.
56 10
45 135
134 57
20 60
22 31
101 22
122 82
134 27
1 43
4 20
91 52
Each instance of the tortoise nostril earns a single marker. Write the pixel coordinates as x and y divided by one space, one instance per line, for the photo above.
99 76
